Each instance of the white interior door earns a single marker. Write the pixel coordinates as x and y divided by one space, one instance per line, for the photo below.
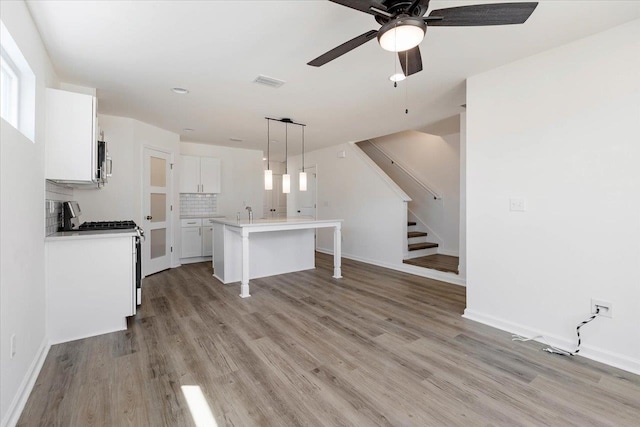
306 200
279 198
156 206
275 201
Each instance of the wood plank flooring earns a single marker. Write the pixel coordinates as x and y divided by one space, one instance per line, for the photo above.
375 348
437 262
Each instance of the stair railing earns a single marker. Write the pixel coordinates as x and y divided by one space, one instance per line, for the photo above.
407 171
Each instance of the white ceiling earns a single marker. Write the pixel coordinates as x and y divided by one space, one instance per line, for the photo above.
133 52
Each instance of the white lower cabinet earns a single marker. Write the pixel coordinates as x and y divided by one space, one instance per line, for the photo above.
191 242
197 239
207 240
91 287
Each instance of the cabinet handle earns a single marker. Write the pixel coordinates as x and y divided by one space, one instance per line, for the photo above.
199 231
202 187
149 217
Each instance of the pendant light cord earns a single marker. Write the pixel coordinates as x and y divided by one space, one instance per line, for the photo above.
302 148
268 143
286 148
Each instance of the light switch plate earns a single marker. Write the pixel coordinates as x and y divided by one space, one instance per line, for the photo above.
517 204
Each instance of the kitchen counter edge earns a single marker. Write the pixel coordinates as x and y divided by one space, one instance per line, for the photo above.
96 234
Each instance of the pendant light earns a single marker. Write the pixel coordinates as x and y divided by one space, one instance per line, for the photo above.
303 174
268 173
286 178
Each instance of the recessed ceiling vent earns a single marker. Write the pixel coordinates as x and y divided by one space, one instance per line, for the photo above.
269 81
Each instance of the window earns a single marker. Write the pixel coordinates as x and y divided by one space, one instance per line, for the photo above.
18 91
9 89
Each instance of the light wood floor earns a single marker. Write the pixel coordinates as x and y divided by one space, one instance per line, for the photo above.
437 262
375 348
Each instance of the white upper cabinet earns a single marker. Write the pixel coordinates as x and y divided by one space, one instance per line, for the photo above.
199 175
189 174
71 137
210 175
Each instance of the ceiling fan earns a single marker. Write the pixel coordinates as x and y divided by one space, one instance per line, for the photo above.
404 25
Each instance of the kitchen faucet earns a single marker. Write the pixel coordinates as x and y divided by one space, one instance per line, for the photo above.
250 213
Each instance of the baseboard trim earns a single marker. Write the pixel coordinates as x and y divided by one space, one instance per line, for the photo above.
20 400
594 353
406 268
448 252
194 260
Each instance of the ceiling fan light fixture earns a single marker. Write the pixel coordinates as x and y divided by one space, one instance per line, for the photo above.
397 77
402 34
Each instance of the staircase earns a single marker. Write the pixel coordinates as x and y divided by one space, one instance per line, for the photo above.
417 242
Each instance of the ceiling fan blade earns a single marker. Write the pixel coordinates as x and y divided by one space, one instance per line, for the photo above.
411 61
362 5
483 14
343 48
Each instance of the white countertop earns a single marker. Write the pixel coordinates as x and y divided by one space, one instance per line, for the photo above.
260 222
93 234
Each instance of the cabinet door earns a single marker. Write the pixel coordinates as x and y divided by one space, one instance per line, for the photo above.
189 174
191 242
70 131
207 241
210 175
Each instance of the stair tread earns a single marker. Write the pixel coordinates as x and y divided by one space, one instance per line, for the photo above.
425 245
410 223
416 234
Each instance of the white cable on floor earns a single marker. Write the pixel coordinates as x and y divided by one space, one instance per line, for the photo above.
556 350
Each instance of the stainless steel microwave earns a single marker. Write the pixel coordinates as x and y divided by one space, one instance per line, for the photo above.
105 164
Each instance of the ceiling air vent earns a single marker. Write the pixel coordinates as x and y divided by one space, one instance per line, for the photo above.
268 81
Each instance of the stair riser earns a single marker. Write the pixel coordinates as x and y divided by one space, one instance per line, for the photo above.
421 252
420 239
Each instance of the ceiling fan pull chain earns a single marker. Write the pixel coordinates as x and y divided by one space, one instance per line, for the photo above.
406 85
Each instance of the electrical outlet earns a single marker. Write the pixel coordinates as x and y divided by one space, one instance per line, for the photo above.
517 204
606 308
13 345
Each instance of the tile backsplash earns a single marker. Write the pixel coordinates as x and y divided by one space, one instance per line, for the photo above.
198 204
55 194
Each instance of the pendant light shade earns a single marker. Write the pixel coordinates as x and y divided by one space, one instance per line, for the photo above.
268 179
303 181
286 183
268 174
286 178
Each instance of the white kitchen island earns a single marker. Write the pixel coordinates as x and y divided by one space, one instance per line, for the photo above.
244 250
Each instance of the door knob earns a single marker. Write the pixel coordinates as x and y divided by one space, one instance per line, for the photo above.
149 217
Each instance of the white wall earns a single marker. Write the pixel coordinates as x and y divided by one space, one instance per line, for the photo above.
22 225
121 198
462 247
373 207
435 161
348 188
242 177
561 130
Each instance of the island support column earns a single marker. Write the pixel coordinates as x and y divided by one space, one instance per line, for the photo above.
337 252
244 286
